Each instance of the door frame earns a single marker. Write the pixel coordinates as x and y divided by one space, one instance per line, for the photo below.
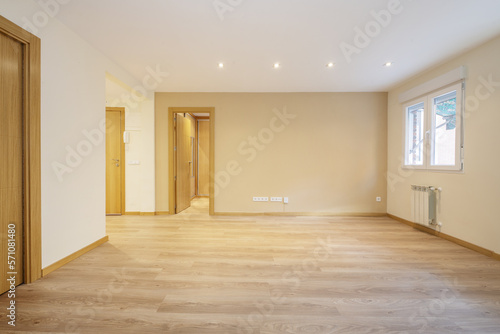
171 183
32 241
122 153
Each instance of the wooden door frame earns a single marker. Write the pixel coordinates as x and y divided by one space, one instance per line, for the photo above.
171 183
122 153
32 242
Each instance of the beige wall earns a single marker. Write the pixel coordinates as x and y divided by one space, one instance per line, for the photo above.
468 199
161 159
329 158
139 123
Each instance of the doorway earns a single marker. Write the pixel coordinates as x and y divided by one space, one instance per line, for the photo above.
115 161
190 157
20 179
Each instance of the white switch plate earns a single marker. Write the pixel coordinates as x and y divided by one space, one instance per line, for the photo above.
134 162
285 200
261 199
276 199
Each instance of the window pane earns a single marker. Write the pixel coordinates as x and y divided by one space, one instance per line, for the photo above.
444 120
415 135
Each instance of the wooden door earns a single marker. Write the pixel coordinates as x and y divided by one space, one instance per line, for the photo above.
192 159
114 162
203 157
183 163
11 161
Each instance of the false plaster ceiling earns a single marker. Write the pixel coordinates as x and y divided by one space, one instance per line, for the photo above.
189 38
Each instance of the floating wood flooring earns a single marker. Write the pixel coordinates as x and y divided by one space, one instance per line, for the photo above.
192 273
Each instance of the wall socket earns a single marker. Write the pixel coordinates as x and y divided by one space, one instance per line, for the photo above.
276 199
378 199
261 199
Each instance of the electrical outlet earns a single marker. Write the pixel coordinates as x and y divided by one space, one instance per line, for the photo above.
276 199
261 199
378 199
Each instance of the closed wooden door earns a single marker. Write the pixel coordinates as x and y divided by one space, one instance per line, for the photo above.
114 162
183 163
11 161
203 157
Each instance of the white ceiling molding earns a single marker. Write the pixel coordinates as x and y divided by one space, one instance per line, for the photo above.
434 84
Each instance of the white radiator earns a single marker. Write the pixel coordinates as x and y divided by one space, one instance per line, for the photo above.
423 205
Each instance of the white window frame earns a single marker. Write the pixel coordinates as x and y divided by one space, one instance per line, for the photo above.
406 125
427 100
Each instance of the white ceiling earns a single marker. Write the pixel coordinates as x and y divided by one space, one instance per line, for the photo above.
187 39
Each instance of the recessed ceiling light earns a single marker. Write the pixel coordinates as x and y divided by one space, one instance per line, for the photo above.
388 64
277 65
221 65
330 65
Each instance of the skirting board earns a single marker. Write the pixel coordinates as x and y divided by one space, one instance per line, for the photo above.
308 214
75 255
162 213
445 236
137 213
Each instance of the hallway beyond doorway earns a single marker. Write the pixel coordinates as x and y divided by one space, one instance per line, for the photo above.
198 205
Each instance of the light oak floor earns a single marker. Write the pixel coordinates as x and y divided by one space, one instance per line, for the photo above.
192 273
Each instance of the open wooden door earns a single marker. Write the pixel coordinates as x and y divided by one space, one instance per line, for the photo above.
183 163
